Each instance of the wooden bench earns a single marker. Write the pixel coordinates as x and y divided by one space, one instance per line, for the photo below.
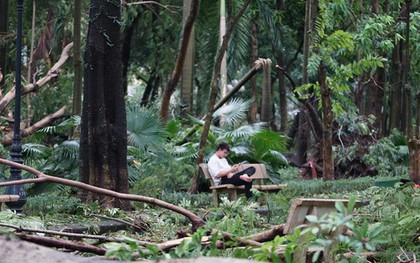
302 207
299 210
8 198
259 179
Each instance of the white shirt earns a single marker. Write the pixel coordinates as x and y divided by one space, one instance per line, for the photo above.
216 165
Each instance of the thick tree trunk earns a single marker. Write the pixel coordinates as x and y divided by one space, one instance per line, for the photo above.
188 67
103 141
176 74
327 120
253 109
77 58
4 15
396 89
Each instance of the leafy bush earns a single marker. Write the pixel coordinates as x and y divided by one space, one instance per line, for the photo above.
389 156
53 203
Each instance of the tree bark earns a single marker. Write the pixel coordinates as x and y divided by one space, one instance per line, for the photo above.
176 74
126 48
253 109
267 96
396 90
282 86
103 140
77 58
327 119
187 85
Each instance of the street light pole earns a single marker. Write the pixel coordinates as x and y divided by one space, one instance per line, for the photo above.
16 150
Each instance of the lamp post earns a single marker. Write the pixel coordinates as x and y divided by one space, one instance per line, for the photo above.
16 150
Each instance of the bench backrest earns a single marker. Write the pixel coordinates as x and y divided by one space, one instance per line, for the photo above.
260 171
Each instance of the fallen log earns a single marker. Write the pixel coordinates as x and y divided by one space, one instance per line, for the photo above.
60 243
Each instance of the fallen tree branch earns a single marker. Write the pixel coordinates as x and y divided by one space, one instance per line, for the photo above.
7 139
59 243
267 235
51 74
194 219
71 235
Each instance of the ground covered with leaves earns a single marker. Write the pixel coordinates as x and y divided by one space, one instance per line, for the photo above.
388 223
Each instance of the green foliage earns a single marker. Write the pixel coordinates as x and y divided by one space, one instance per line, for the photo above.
389 158
145 130
53 203
397 210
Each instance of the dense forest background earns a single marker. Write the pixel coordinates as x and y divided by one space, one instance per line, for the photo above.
147 89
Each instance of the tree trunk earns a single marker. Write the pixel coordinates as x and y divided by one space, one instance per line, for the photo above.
396 89
176 74
375 92
28 75
188 67
267 97
126 48
77 58
281 78
4 15
413 136
103 141
253 109
304 130
327 120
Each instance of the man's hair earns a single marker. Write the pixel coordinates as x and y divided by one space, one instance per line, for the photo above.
223 146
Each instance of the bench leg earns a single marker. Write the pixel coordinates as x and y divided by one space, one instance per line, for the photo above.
233 195
215 198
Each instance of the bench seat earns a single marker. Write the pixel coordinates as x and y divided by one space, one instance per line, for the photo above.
261 182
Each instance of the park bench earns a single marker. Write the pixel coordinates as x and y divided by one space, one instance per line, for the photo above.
8 198
260 178
299 210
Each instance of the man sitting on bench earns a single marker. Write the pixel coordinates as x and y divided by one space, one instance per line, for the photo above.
223 173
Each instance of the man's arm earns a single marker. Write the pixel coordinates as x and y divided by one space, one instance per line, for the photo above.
227 172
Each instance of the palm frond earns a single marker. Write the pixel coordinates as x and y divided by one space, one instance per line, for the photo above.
266 141
144 128
275 158
234 112
246 131
34 151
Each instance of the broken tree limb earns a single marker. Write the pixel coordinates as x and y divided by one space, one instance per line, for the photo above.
67 234
267 235
51 74
41 177
59 243
7 139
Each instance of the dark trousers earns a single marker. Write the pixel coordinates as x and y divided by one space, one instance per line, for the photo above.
235 180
